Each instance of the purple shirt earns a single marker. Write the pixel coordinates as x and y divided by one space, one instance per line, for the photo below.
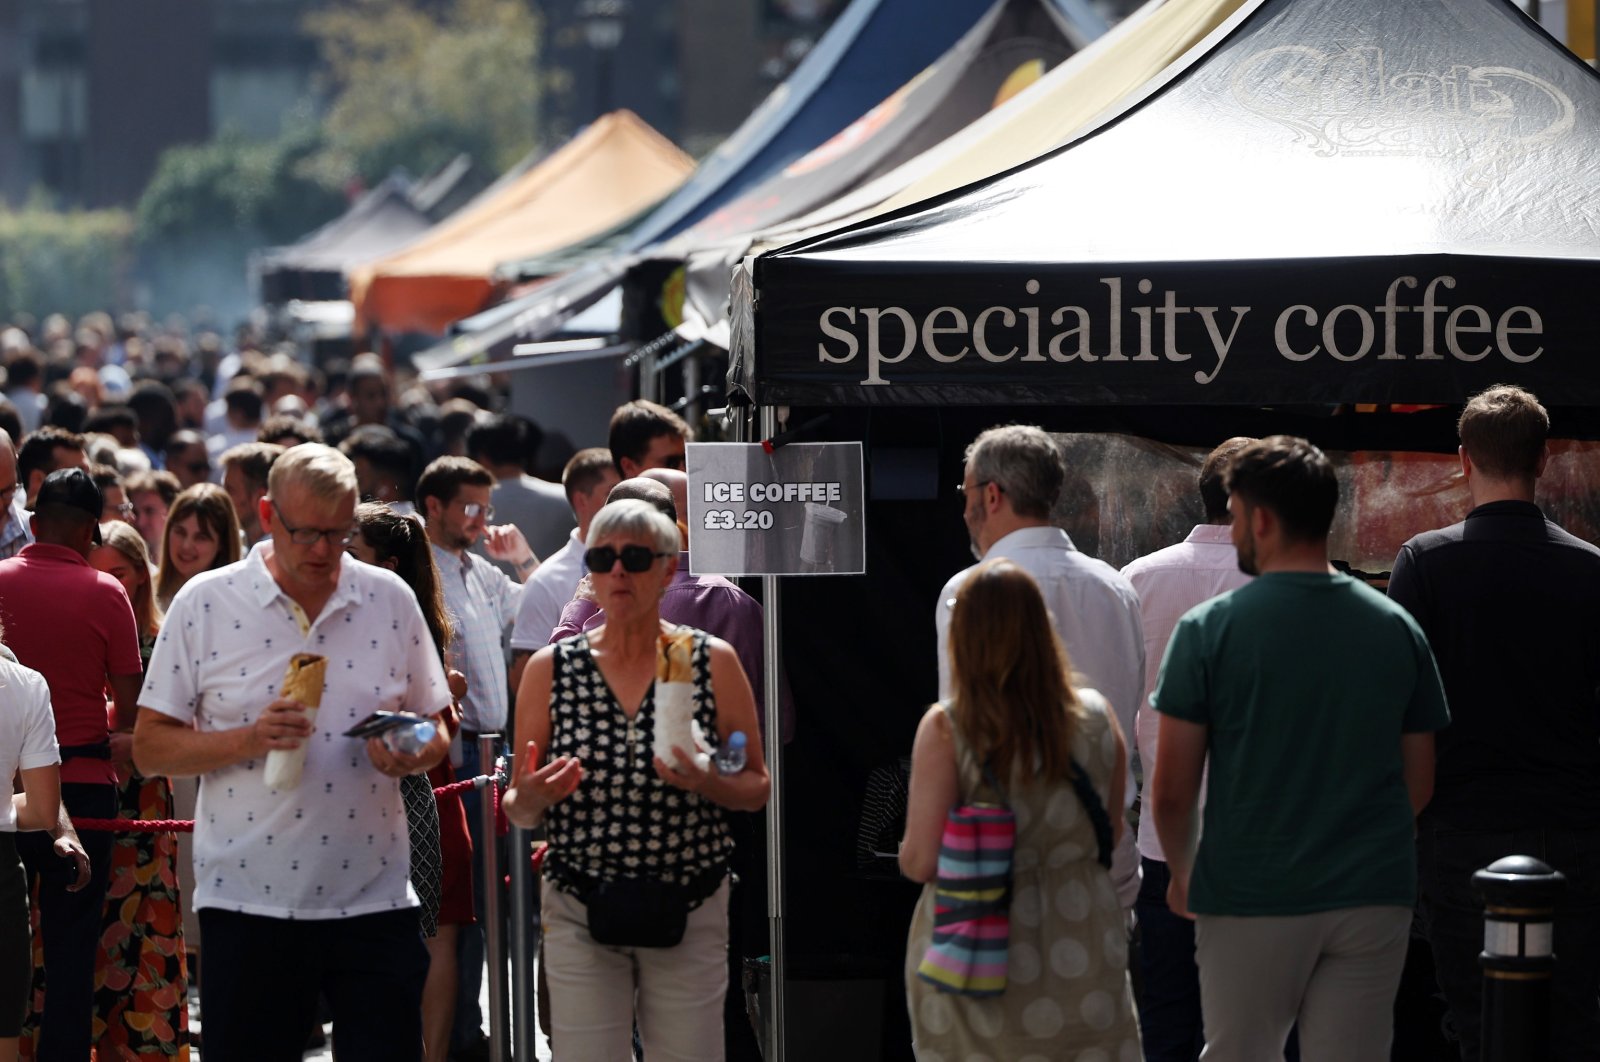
709 603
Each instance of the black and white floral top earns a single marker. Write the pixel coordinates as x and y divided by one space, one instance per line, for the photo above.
623 821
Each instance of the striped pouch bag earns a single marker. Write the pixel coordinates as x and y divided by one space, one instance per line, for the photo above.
972 899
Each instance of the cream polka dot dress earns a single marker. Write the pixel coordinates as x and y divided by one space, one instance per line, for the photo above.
1067 997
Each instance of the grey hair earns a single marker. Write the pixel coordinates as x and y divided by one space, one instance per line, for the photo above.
322 470
1024 462
631 518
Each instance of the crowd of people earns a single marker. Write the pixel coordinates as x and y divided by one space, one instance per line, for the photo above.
184 526
1325 766
180 522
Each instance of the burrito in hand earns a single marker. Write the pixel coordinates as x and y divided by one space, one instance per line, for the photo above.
674 696
302 682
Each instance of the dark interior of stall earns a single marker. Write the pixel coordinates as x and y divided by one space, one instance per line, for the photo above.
859 650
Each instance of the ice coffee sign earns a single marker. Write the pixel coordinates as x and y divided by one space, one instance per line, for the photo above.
796 510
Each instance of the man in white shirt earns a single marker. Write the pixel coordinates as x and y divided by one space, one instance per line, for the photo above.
1170 582
453 497
587 479
300 890
1013 475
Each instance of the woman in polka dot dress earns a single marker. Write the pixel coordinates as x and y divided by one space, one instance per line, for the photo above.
1067 997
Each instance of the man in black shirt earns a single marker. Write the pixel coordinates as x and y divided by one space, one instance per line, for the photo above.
1511 606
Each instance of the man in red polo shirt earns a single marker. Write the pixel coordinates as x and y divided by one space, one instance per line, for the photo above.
73 625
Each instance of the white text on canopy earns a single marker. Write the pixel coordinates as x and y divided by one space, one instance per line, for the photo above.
1414 321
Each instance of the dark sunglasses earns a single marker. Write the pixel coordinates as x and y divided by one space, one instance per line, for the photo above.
635 559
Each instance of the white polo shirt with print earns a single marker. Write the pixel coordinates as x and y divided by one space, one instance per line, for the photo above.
336 845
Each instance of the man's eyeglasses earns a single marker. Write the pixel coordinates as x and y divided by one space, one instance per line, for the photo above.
635 559
961 488
120 512
473 509
309 536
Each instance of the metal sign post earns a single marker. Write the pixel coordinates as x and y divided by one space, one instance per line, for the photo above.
772 653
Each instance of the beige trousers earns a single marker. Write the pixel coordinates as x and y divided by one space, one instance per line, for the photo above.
1335 972
597 992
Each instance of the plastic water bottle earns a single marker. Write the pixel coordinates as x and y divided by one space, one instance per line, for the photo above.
410 740
731 756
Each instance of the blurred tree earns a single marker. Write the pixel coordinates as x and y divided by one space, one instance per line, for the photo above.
67 262
266 188
209 205
412 83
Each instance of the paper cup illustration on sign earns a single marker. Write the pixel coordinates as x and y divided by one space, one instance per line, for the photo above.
302 682
821 533
674 697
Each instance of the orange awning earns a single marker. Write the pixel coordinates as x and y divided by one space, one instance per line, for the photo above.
613 169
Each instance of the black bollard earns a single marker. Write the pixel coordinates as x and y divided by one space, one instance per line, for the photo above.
1519 896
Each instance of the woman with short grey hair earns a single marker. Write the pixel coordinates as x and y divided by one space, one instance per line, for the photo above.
636 879
634 519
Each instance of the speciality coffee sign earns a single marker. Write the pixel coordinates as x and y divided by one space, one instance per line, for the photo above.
1329 332
795 511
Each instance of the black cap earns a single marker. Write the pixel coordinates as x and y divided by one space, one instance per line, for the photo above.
72 488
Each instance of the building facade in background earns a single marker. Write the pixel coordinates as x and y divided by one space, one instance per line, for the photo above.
92 91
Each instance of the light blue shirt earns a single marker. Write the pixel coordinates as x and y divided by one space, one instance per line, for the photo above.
482 602
16 533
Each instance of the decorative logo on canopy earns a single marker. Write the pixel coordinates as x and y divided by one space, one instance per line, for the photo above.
1347 102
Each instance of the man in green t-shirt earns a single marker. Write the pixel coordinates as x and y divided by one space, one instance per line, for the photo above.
1315 700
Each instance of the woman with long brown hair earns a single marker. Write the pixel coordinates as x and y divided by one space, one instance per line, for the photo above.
441 848
1016 730
141 974
202 534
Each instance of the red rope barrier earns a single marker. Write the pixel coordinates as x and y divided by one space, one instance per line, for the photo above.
136 825
187 825
459 787
502 825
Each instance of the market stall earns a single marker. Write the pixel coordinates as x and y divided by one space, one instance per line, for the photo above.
1328 216
872 49
610 170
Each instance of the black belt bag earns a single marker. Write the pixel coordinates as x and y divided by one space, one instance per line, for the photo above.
638 913
100 750
645 912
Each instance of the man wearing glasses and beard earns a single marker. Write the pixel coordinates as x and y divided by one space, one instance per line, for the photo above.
453 496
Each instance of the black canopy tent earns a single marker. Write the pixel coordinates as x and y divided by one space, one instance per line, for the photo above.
1347 200
1329 202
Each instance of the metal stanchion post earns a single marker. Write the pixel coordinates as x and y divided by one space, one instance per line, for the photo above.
1519 895
522 980
493 929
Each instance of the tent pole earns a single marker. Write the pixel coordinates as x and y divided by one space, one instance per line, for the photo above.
771 631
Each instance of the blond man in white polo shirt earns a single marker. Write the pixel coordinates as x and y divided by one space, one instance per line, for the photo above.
305 889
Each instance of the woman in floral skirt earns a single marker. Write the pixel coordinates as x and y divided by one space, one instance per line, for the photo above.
141 978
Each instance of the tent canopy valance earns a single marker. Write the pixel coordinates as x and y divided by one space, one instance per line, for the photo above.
1331 201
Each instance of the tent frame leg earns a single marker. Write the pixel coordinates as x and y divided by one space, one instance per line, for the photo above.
771 641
